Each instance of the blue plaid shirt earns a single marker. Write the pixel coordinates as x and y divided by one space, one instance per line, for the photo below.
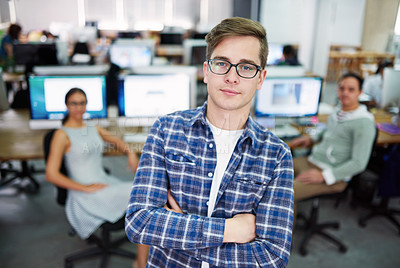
180 155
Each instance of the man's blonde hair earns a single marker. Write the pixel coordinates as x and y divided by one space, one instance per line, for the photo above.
238 26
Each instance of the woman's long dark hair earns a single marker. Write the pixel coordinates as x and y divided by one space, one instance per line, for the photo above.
14 30
69 93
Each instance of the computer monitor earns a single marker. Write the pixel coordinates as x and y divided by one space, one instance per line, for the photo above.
145 95
129 34
194 51
132 52
274 53
31 54
288 97
47 98
199 35
391 88
101 69
171 38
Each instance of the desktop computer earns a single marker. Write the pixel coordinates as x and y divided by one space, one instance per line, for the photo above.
47 99
281 100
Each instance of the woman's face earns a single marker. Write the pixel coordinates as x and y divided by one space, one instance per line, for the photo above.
76 105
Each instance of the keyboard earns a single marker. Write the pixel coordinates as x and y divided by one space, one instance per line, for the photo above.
286 131
135 137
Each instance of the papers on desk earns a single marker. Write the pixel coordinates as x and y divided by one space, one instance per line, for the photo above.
389 128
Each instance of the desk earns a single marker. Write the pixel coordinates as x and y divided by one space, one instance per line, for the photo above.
19 142
381 116
383 137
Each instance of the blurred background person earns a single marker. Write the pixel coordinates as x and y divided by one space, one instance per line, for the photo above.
289 56
373 85
6 48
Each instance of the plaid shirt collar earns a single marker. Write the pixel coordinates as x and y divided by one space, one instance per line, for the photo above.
250 130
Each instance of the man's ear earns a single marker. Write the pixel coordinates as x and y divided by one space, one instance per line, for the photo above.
205 72
261 78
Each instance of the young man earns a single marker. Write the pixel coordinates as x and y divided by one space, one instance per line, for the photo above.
228 181
345 147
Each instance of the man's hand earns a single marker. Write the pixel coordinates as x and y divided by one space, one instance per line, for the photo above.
311 176
240 229
172 205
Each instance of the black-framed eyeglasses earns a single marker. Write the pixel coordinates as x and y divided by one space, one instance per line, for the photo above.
243 69
76 104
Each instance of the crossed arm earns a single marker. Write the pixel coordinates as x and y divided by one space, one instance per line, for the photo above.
239 229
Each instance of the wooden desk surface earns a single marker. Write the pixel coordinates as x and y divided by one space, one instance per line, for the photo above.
383 137
380 117
19 142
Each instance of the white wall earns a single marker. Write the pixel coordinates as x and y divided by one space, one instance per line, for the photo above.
37 14
314 25
291 22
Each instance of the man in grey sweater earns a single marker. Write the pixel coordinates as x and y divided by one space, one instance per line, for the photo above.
344 148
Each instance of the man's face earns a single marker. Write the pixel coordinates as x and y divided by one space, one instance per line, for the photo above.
348 92
231 92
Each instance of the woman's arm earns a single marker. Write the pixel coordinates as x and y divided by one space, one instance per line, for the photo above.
58 146
8 47
122 146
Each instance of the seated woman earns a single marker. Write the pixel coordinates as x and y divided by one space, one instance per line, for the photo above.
94 197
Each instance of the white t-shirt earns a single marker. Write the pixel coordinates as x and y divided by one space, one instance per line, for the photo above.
225 141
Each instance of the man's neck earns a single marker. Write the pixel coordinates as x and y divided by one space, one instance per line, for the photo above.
227 120
349 109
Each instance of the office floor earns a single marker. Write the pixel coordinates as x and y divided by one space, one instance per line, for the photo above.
33 233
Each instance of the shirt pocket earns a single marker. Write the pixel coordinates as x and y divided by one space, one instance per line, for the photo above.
246 192
179 165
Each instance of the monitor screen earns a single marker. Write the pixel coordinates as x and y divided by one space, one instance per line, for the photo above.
391 88
35 54
194 51
145 97
171 38
130 54
288 97
274 53
47 96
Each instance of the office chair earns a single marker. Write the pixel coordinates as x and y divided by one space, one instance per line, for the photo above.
388 187
104 246
81 54
312 226
6 168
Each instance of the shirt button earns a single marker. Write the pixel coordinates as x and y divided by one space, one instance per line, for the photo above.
210 174
211 145
207 203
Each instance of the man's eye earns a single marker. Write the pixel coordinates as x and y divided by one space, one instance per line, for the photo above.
247 67
220 64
